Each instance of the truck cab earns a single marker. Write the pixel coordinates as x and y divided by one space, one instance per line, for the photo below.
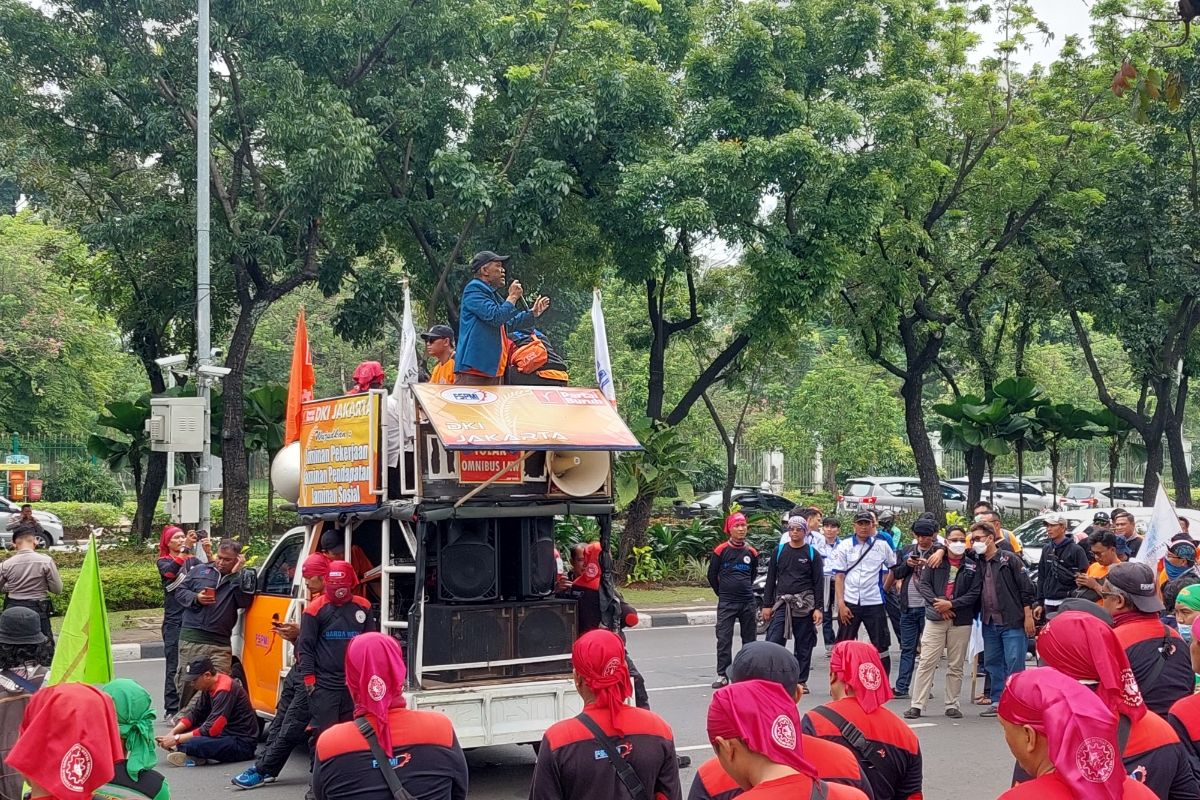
457 555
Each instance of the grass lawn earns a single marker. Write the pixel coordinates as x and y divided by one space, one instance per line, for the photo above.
127 626
641 597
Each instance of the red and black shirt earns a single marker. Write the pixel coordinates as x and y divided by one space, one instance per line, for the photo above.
223 710
587 609
899 775
1152 648
1053 786
425 755
171 571
834 763
731 571
572 765
1185 719
799 787
325 632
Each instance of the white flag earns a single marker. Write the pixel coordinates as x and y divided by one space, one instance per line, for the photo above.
1164 523
406 375
600 339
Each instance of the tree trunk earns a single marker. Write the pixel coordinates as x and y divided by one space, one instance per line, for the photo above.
830 477
1114 458
1021 482
236 490
270 502
1054 472
730 476
1180 478
975 467
637 520
991 471
147 497
918 440
1154 465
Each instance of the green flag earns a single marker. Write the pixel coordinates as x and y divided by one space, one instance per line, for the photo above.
84 651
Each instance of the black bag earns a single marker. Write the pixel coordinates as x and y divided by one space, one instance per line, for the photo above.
868 755
625 770
382 760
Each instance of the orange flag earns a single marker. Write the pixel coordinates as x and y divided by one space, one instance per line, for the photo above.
300 382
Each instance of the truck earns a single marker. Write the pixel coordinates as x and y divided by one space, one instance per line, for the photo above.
455 538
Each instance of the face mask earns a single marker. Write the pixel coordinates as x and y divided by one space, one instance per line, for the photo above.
1185 631
958 548
1173 571
979 547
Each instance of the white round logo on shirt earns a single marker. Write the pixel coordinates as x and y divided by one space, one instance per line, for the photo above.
1096 759
376 688
783 732
360 616
870 676
745 559
75 768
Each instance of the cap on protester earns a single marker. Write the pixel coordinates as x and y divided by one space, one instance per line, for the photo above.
1101 517
486 257
734 520
766 661
333 540
798 522
1054 518
764 718
924 527
1183 549
864 516
1136 580
438 332
1087 607
199 666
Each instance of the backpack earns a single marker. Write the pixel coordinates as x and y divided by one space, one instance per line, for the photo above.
530 356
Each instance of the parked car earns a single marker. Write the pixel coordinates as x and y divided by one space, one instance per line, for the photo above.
894 494
747 497
1005 491
1032 533
51 525
1097 494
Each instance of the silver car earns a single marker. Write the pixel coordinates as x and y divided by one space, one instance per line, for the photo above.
51 525
897 494
1096 495
1005 491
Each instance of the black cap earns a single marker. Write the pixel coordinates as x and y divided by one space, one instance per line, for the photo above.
1136 580
766 661
199 666
924 527
20 625
1101 517
864 516
486 257
1087 607
832 522
438 332
333 540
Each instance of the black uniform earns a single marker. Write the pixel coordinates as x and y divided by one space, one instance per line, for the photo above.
589 617
224 721
799 574
325 632
1057 570
171 571
731 572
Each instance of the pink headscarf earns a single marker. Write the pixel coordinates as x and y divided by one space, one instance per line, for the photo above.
365 374
764 717
1082 647
590 579
68 740
857 665
167 533
315 565
1080 731
340 581
375 675
734 519
598 657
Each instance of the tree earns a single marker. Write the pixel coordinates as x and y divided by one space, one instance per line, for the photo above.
128 447
1061 423
1117 431
266 409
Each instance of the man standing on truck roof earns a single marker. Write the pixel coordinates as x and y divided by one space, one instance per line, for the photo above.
439 344
484 317
333 545
211 597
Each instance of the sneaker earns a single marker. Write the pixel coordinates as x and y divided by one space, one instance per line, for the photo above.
990 711
828 650
953 713
719 682
683 761
913 713
249 779
179 758
310 794
900 695
804 689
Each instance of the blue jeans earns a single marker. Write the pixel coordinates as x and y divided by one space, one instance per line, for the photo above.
1004 653
912 624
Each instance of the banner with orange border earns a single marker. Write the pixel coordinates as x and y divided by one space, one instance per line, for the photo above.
523 418
339 453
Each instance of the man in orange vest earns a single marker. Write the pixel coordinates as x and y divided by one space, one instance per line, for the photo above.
439 344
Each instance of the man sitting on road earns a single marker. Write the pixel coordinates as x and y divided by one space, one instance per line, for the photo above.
211 597
220 726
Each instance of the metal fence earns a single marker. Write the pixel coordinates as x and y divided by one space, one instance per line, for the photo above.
1082 464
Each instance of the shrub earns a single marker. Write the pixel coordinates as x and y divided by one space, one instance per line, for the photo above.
82 481
127 587
79 518
284 520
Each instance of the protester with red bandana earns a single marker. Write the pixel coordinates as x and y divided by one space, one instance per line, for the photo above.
754 729
731 572
1062 734
575 759
424 752
1082 647
330 624
68 743
174 562
887 749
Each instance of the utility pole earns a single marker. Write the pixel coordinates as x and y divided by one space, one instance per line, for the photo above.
203 287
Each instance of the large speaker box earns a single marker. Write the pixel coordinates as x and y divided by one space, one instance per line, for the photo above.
529 569
466 635
545 628
468 566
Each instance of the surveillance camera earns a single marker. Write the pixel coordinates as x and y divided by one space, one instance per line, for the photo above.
217 352
171 361
213 371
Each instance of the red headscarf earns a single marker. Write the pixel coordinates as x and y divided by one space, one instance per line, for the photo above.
857 665
68 741
365 374
1082 647
340 582
734 519
1080 731
375 675
598 658
590 579
168 532
764 717
315 565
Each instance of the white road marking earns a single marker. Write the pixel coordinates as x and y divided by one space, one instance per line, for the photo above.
694 747
922 724
675 688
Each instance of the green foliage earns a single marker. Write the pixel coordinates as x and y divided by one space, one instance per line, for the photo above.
79 517
646 568
129 445
658 468
83 481
127 587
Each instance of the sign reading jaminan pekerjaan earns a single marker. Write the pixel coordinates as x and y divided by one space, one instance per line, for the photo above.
339 453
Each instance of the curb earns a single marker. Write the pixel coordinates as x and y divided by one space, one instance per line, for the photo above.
136 651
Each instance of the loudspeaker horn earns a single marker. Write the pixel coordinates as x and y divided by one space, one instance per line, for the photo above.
285 472
579 473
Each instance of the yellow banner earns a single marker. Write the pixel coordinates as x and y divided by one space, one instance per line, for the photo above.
339 445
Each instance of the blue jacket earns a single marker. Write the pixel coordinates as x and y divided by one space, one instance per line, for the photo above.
482 311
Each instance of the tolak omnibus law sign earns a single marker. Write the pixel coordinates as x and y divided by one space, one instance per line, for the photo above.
339 452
